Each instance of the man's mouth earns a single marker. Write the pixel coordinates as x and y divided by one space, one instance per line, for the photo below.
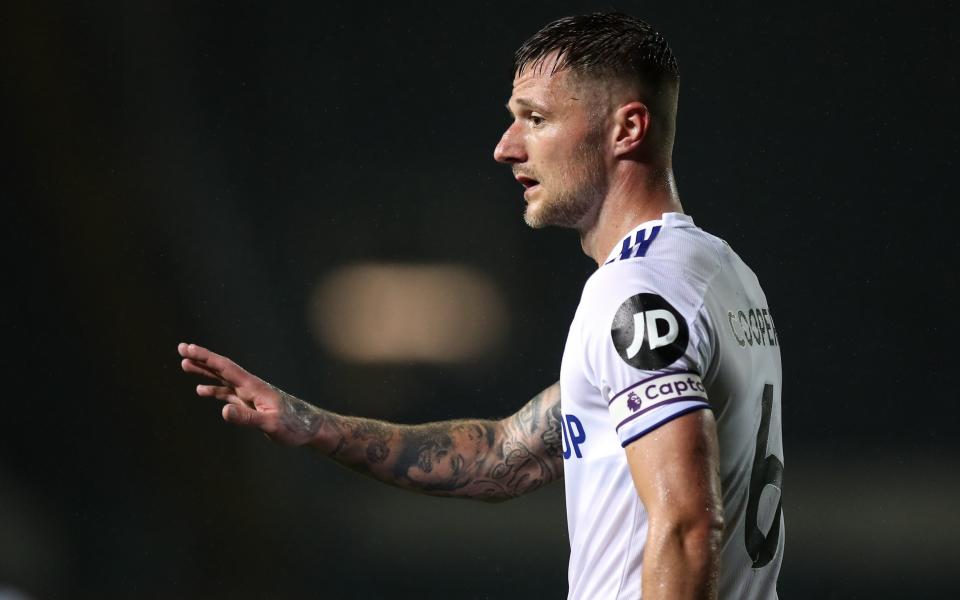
527 182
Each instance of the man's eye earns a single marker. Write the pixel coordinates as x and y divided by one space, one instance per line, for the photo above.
536 120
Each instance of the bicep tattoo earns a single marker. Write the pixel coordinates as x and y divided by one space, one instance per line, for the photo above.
551 435
536 429
525 454
490 460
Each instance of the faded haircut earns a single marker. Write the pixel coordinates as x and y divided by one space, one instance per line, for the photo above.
602 46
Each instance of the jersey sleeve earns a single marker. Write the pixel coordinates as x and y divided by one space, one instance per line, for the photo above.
647 345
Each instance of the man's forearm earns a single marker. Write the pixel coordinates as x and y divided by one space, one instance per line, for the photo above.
481 459
682 563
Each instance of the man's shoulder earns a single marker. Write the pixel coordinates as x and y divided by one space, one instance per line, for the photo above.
674 239
679 263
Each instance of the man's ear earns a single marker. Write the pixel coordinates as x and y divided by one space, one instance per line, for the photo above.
631 126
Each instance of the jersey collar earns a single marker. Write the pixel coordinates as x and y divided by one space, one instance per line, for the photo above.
635 243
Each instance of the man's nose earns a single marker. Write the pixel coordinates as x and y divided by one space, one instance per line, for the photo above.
510 149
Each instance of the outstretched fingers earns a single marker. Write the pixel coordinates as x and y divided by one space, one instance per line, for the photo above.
220 392
191 366
193 351
220 367
243 415
232 378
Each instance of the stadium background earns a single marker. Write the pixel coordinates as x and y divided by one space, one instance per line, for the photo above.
186 172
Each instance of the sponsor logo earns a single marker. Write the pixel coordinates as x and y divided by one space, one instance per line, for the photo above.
648 332
573 435
753 327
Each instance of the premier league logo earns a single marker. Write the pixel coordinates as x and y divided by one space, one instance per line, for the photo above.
648 332
633 402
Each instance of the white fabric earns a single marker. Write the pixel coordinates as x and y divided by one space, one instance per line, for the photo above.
687 284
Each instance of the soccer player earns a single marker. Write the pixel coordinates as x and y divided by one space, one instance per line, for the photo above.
665 424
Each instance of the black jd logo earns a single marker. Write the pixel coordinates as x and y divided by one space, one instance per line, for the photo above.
648 332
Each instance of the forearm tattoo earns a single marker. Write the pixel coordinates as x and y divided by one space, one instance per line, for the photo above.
375 433
297 416
488 460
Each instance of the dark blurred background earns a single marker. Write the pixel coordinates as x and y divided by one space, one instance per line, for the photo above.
210 172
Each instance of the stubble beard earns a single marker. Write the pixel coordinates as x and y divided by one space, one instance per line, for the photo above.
578 190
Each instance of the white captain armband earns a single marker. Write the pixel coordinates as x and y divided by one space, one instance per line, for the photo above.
648 404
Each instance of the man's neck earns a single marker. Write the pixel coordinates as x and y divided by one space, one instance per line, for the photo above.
635 197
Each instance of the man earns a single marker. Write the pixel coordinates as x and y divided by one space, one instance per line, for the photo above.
665 423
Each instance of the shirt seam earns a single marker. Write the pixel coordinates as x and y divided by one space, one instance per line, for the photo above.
703 299
633 534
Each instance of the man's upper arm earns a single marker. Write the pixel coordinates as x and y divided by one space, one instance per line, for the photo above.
675 469
675 472
532 436
647 345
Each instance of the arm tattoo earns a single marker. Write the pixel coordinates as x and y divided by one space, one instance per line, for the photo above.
551 433
298 416
487 460
375 433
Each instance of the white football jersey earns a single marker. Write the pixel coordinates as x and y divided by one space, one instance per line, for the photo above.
672 323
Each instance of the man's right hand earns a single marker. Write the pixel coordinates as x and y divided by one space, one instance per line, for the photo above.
251 401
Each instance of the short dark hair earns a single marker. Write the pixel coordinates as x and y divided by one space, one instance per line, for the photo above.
602 45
